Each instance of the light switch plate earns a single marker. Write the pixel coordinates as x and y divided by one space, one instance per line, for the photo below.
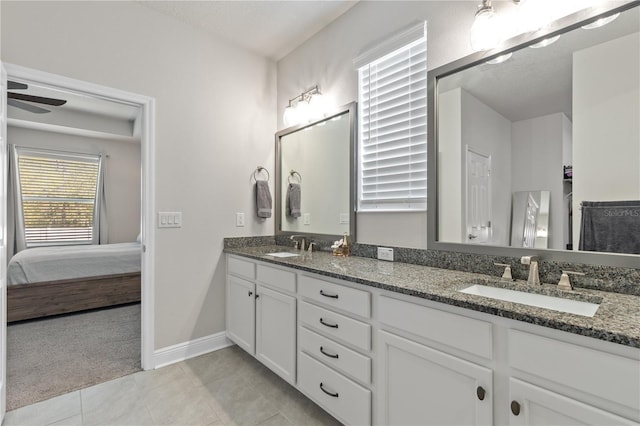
385 253
306 218
239 219
170 220
344 218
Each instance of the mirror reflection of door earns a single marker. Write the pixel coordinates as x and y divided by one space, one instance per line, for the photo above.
478 218
530 217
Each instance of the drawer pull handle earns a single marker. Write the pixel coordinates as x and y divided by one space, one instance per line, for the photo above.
480 392
515 408
335 395
327 354
332 296
327 324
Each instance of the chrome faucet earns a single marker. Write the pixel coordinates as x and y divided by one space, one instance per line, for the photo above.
532 261
299 244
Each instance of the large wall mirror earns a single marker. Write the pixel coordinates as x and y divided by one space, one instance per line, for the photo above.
314 176
541 152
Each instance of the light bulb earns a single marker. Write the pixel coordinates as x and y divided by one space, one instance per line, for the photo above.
290 116
601 22
317 107
302 112
546 42
533 15
500 59
486 30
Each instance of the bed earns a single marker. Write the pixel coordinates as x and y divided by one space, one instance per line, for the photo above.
46 281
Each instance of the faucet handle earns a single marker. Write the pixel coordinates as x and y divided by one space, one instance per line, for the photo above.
526 260
506 276
565 282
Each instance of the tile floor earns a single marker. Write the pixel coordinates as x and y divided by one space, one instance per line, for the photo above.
226 387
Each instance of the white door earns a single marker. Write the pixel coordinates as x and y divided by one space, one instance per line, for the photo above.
3 242
422 386
534 406
276 332
241 313
478 217
530 225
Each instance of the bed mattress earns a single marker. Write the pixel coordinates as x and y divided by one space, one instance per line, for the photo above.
66 262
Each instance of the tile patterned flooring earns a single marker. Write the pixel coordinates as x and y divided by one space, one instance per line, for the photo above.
226 387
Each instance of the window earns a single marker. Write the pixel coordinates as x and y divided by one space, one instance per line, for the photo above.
58 196
392 102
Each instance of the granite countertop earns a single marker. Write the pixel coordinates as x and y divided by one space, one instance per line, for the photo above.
617 319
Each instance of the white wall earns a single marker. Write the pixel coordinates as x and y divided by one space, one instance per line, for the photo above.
606 124
122 174
537 160
215 120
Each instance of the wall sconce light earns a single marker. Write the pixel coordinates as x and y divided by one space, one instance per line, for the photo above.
486 29
304 108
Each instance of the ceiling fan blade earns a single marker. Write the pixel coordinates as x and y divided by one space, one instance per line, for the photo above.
14 85
36 99
27 107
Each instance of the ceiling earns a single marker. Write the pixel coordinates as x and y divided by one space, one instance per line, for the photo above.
269 28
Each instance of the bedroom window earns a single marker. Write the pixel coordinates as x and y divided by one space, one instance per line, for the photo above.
58 193
392 115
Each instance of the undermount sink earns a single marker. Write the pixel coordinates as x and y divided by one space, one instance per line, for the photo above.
560 304
283 254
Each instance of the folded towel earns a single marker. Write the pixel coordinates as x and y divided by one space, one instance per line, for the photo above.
610 226
263 199
293 200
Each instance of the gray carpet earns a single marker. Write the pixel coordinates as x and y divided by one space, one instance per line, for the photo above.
50 357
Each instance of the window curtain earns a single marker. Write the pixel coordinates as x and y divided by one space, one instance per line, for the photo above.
15 218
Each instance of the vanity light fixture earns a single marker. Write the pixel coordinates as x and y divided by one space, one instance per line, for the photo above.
304 108
486 29
601 22
532 15
546 42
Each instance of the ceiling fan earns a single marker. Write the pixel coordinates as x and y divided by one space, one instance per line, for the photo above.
24 101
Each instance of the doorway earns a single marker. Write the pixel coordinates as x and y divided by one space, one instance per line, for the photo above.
478 218
144 126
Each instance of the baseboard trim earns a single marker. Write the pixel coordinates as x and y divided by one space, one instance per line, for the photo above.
180 352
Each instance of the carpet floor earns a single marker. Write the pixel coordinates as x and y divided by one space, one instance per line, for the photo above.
54 356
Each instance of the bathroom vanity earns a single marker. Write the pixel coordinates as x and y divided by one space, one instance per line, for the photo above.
375 342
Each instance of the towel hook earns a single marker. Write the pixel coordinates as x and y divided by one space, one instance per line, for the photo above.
295 175
258 170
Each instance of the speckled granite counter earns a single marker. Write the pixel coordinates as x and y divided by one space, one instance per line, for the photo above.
617 319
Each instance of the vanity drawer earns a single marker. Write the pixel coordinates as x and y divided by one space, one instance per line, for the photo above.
577 367
357 302
335 355
336 325
340 396
467 334
241 268
284 280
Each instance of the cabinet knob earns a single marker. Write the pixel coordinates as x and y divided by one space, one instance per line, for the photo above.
515 407
250 293
481 393
257 295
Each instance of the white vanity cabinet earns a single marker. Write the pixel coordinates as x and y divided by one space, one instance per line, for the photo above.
261 314
420 385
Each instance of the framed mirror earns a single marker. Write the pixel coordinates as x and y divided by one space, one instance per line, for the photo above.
557 119
314 177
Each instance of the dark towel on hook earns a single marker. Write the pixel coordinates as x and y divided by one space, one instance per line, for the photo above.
263 199
293 200
610 226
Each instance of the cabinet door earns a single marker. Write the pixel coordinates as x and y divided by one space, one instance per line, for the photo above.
276 332
240 314
422 386
537 406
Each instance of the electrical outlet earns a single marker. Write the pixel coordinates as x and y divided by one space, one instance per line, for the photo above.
385 253
344 218
306 218
239 219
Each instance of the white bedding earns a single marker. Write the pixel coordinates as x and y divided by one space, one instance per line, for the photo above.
65 262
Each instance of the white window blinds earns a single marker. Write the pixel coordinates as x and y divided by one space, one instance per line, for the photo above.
393 129
58 196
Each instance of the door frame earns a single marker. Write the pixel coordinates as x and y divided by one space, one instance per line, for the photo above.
147 222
